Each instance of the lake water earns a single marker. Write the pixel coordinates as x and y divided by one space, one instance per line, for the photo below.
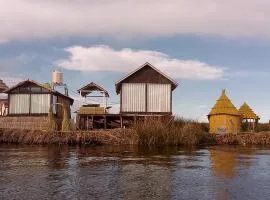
109 172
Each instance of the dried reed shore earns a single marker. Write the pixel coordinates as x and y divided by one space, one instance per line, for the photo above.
152 132
99 137
262 138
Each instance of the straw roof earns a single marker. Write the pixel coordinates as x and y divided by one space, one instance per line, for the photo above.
224 106
247 112
3 86
91 87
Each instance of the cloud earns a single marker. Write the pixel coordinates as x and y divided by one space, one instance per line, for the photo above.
34 19
104 58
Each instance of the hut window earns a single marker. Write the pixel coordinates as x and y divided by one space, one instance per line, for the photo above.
40 103
25 89
19 103
36 89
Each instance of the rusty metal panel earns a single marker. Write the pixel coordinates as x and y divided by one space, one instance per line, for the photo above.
133 97
159 98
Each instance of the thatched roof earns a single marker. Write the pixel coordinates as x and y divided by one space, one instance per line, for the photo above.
247 112
3 86
91 87
224 106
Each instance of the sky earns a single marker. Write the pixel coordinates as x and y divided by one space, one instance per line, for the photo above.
205 45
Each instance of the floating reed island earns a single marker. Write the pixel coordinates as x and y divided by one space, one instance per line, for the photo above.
174 132
147 133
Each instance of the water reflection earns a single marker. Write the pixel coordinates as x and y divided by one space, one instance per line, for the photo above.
114 172
225 160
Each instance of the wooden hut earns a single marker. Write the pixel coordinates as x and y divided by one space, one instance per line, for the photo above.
224 117
249 118
29 104
146 91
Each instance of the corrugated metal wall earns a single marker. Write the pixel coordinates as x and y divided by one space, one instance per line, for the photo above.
133 97
134 100
158 98
19 103
40 103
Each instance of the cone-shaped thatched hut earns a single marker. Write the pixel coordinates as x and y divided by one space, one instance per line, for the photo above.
224 117
247 112
248 117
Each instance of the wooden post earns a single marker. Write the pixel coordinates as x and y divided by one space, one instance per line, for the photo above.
135 119
105 122
87 121
121 121
92 118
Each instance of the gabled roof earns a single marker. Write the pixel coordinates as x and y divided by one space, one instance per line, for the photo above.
247 112
84 91
3 86
147 64
39 85
224 106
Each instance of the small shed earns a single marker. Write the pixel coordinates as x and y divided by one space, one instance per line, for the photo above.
224 117
146 91
29 103
249 117
92 115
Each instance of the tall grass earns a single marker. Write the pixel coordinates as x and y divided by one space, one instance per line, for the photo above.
99 137
171 132
152 132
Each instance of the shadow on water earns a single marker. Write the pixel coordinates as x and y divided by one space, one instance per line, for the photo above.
126 172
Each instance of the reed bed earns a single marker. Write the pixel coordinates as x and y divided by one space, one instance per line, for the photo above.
115 136
171 132
262 138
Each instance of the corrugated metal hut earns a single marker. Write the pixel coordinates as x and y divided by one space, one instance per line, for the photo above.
29 104
248 117
146 91
224 117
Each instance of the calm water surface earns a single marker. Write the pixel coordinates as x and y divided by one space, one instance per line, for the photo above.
107 172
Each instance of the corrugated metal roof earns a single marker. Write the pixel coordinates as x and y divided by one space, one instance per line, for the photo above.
247 112
118 83
224 106
40 85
